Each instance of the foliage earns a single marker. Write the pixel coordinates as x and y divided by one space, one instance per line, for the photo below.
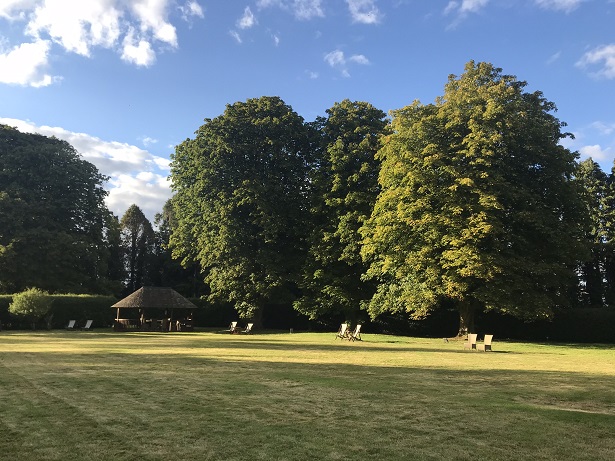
32 304
52 216
594 189
137 237
166 270
477 206
241 202
346 185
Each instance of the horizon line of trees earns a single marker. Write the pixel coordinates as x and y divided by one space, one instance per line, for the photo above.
470 203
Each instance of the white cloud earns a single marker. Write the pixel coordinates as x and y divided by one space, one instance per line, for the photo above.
364 11
13 9
25 64
138 52
136 175
247 20
338 60
596 152
149 191
301 9
136 29
312 75
85 24
603 56
359 59
560 5
335 58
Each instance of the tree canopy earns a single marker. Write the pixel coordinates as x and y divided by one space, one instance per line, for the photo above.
137 237
241 202
478 208
52 216
345 187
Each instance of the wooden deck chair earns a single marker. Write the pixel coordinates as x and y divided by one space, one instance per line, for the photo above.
342 332
71 325
248 328
471 344
232 327
356 334
486 345
88 325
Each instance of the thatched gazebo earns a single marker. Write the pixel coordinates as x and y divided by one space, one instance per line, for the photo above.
153 308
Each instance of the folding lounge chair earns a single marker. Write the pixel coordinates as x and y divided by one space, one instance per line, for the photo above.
232 327
87 326
71 325
356 334
471 344
486 346
248 329
342 332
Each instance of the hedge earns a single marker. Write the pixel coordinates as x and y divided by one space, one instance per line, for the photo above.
593 325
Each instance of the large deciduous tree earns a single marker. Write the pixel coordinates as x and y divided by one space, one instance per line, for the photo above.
478 208
346 186
241 190
52 216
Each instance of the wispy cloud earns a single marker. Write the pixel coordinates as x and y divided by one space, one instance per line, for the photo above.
301 9
364 11
147 141
604 128
602 57
236 36
136 175
559 5
191 9
554 57
135 29
464 7
337 60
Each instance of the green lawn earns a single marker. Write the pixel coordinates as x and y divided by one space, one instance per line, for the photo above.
303 396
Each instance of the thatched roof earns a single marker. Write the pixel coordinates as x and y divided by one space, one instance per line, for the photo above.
155 297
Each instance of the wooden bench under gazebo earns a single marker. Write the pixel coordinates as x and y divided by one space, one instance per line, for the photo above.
154 309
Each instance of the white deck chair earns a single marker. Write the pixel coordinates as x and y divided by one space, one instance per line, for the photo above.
342 332
248 329
88 325
232 327
356 334
471 344
71 325
486 346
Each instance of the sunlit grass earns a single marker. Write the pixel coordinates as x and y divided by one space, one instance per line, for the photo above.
148 396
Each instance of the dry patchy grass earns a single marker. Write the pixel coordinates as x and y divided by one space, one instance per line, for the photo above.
206 396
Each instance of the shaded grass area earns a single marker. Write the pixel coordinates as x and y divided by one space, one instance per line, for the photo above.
205 396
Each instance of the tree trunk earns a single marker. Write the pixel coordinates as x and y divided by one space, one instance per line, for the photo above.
257 318
466 318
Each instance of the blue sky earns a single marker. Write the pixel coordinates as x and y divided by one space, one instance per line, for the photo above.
124 81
